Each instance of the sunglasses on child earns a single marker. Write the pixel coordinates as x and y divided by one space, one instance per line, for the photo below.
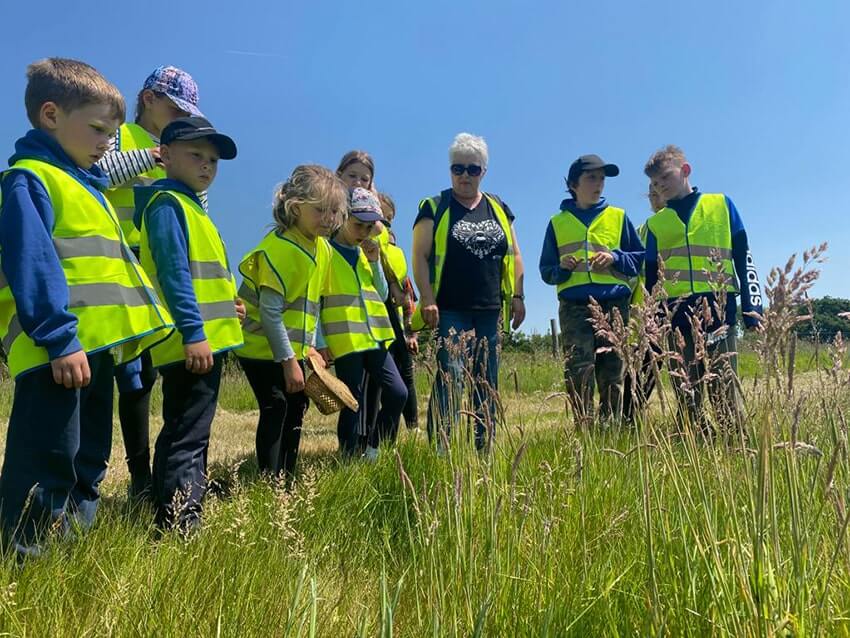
473 170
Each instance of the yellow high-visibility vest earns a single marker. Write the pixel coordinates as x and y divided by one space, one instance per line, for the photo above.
280 263
354 317
212 281
441 237
110 294
583 242
687 250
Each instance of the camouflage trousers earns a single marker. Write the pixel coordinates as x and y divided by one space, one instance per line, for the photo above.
584 368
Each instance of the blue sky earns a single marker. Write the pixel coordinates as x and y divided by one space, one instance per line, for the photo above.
757 94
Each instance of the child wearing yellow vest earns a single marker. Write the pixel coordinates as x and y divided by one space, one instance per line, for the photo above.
283 281
186 258
355 323
591 250
167 93
689 235
72 299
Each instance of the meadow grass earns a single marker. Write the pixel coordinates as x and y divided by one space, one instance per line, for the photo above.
651 531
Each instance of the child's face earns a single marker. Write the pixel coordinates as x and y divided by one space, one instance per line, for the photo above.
160 111
85 133
313 220
589 187
388 212
671 182
357 174
656 202
193 162
357 231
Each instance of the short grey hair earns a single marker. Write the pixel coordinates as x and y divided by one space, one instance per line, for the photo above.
469 144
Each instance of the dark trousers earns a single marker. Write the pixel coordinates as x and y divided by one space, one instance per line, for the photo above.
721 391
180 456
404 363
57 449
638 387
281 416
134 416
584 368
380 366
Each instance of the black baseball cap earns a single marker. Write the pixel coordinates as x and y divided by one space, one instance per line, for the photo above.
591 163
184 129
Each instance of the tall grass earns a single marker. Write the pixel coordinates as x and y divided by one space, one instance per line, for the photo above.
557 533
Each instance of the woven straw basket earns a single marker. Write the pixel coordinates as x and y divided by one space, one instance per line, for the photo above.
326 391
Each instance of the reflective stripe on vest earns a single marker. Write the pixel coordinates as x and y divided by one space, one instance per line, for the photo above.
692 253
354 317
132 137
212 281
299 277
576 239
441 234
109 293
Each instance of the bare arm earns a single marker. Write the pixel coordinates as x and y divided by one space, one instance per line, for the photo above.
423 245
517 303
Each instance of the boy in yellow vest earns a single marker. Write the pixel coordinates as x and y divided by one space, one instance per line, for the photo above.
185 256
133 159
72 298
690 234
591 250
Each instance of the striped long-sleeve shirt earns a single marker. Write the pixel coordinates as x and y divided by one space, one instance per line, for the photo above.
122 167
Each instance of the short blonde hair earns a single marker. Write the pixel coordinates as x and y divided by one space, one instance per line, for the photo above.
313 185
662 158
469 144
70 84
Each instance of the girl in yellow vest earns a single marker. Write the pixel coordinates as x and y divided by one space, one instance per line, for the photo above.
356 325
283 280
183 252
591 250
134 159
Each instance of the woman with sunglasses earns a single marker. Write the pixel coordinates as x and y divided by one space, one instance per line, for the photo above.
468 268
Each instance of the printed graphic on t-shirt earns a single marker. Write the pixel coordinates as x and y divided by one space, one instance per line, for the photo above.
480 238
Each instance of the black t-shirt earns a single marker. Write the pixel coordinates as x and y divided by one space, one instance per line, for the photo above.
472 274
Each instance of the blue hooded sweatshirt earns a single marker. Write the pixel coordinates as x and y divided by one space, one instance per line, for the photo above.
628 259
27 255
745 271
169 244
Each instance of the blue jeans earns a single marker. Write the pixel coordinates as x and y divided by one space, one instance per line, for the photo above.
468 349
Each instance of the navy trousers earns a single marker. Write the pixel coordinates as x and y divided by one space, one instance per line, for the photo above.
57 450
180 456
351 370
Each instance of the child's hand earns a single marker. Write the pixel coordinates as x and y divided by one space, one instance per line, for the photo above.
293 375
412 343
396 294
601 261
241 311
199 358
568 262
316 358
372 250
325 353
72 370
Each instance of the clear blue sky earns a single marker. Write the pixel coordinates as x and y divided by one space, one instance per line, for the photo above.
757 94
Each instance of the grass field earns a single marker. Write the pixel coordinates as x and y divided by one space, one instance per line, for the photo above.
558 532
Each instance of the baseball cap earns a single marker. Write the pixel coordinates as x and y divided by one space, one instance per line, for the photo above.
177 85
365 205
184 129
589 163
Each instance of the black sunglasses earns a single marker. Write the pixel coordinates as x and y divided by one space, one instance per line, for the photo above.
472 169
